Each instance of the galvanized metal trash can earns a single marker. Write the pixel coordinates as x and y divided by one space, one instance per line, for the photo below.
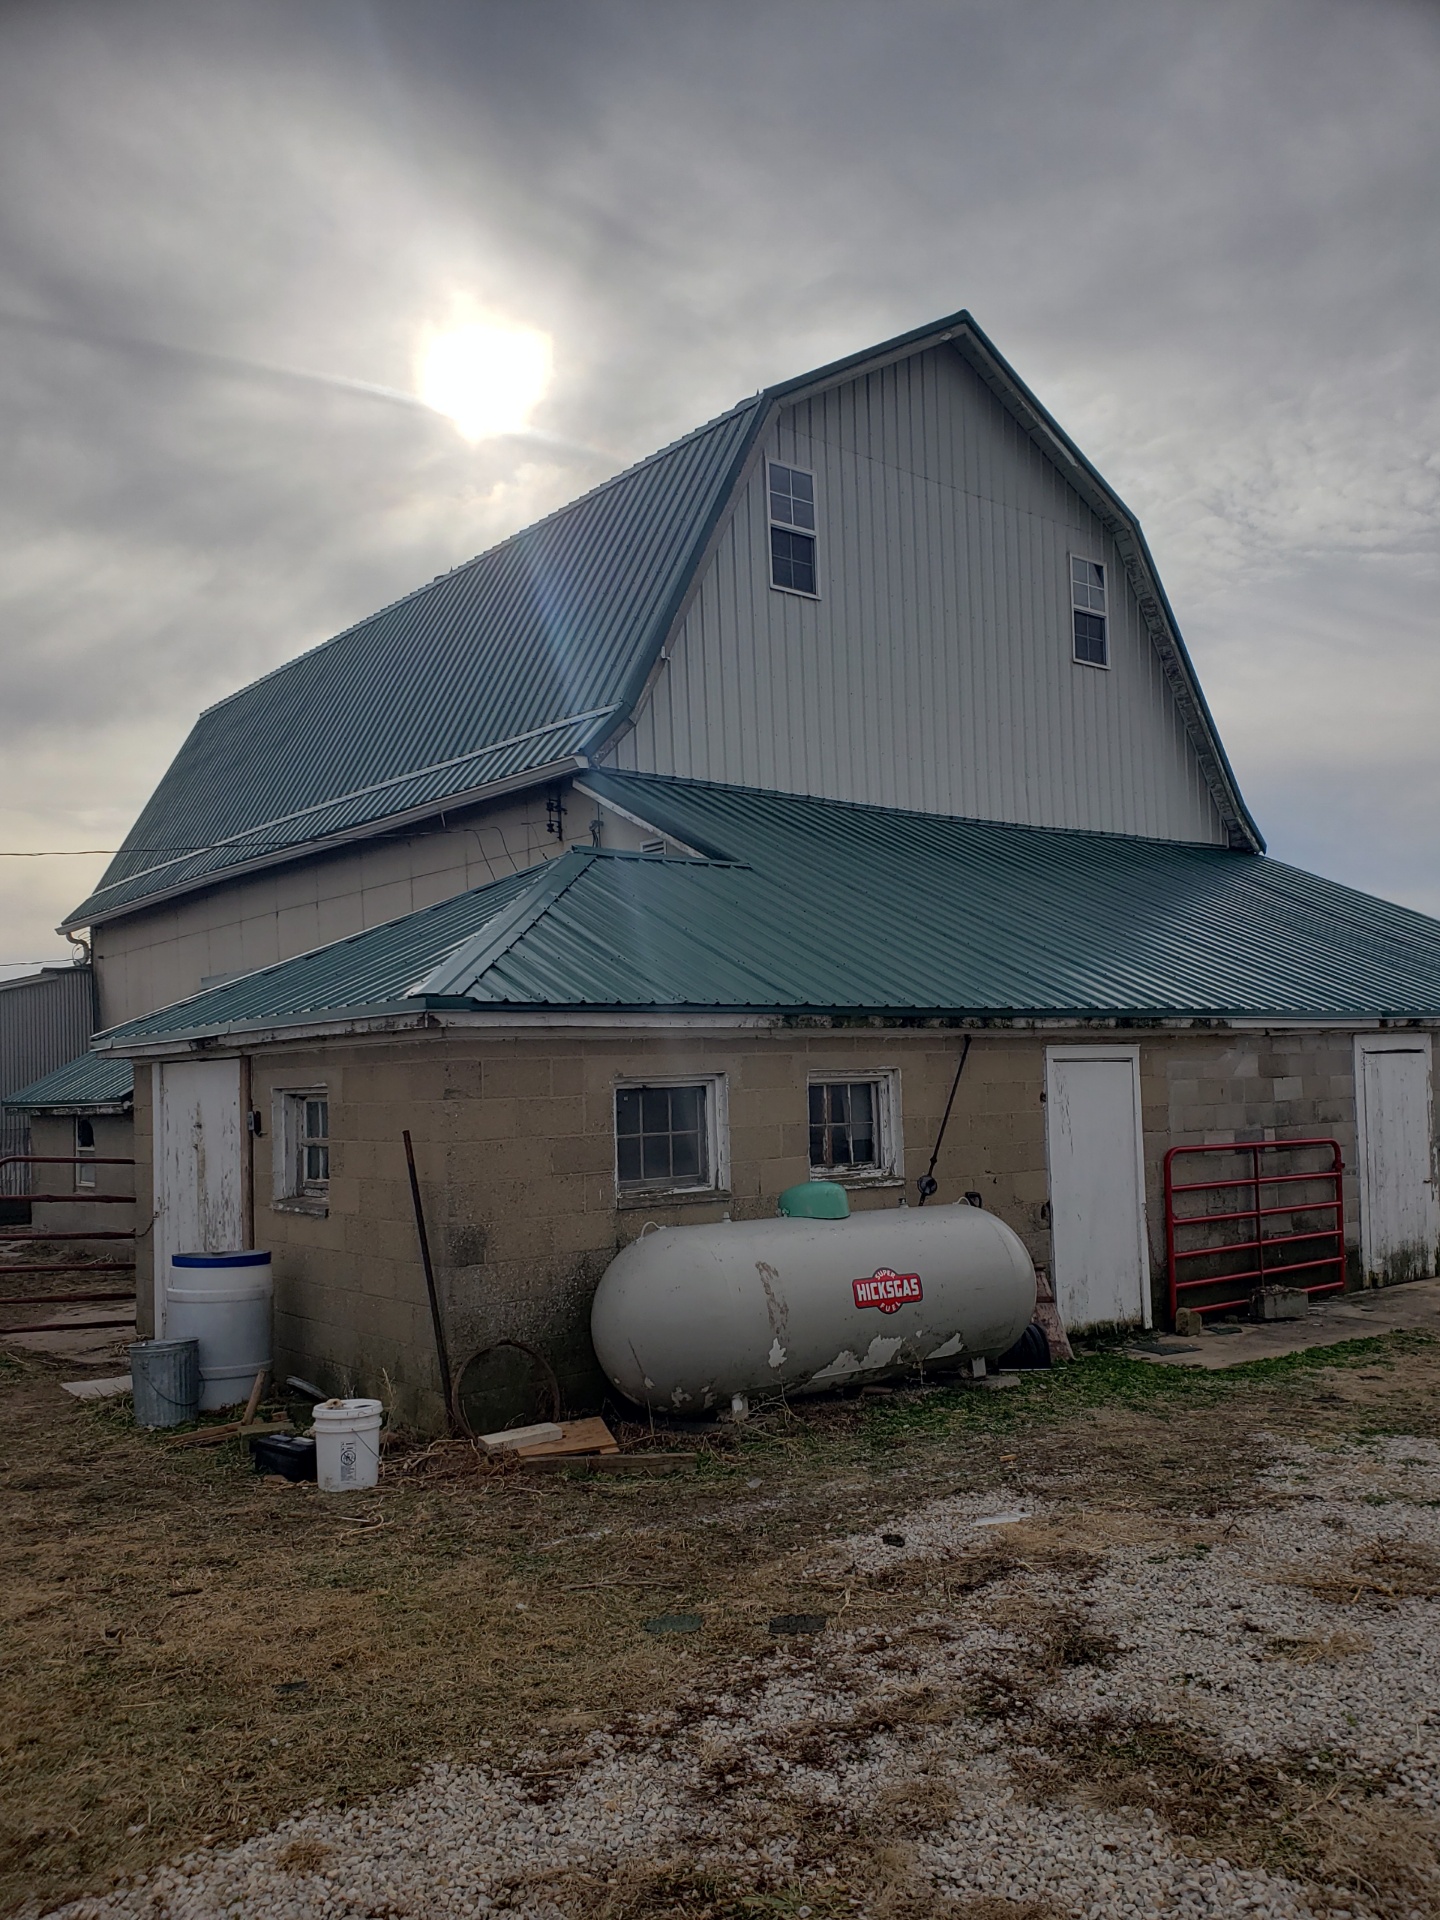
165 1380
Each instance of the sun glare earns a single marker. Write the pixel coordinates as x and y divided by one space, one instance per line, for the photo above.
486 377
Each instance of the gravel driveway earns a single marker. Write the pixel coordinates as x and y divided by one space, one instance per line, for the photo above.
1109 1711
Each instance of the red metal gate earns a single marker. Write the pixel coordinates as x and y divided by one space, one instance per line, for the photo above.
1296 1216
80 1196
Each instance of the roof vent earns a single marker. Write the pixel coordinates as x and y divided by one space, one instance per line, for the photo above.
654 848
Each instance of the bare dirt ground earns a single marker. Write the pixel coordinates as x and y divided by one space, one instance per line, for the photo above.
1200 1674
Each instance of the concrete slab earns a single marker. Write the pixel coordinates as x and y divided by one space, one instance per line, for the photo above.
97 1389
1353 1316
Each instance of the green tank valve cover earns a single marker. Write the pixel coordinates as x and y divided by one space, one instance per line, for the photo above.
816 1200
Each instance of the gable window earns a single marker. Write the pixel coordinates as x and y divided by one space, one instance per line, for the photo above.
792 529
84 1145
854 1128
1087 603
302 1148
668 1136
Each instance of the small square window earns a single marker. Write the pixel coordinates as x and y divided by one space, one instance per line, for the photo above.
792 560
1088 612
792 497
854 1127
667 1136
792 529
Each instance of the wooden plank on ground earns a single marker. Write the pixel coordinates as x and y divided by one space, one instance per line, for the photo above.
231 1430
608 1463
513 1438
575 1436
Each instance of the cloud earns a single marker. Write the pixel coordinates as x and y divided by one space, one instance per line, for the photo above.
1204 235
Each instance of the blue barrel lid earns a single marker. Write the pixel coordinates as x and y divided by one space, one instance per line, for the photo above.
247 1259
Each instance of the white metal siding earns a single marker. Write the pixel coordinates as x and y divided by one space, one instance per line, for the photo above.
935 669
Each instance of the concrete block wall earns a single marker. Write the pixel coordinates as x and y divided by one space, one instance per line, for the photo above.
55 1134
514 1140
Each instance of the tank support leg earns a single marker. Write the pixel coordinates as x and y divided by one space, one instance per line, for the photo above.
977 1367
739 1407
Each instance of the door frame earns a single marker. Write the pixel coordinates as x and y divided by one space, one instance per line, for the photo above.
160 1237
1102 1051
1417 1042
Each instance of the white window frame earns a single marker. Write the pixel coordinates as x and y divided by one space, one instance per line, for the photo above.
889 1168
717 1140
1100 666
287 1119
789 526
84 1161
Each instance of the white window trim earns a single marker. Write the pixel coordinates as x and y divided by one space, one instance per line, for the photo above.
889 1168
717 1143
1097 666
788 526
286 1105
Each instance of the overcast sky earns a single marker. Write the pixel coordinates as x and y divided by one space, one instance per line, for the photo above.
1205 234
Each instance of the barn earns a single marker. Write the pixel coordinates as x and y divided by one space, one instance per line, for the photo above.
829 794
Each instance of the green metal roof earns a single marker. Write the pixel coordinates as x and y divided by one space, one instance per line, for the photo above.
795 906
510 664
89 1080
526 658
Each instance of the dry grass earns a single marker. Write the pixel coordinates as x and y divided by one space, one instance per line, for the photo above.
1312 1649
1317 1823
1380 1574
189 1652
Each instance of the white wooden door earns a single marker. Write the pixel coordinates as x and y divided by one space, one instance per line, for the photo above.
1398 1215
1099 1244
199 1164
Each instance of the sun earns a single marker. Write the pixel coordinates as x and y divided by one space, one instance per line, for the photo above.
486 376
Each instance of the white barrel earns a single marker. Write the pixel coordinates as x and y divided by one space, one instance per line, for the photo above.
687 1317
223 1301
347 1445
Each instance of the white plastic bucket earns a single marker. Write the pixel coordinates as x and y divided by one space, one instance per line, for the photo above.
347 1445
223 1301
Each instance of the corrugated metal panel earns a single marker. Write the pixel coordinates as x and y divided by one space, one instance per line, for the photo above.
505 664
935 669
90 1080
806 905
45 1019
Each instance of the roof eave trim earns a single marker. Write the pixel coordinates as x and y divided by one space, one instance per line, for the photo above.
992 367
61 1109
406 1016
394 823
647 660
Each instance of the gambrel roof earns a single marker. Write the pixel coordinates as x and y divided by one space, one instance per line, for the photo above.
790 907
521 664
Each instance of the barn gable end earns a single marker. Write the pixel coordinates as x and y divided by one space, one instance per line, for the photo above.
934 668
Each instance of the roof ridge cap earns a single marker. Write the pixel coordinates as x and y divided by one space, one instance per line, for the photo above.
920 813
457 972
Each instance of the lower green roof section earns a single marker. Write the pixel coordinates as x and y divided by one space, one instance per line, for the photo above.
89 1080
793 905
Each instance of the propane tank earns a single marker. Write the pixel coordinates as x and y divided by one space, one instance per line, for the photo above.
689 1317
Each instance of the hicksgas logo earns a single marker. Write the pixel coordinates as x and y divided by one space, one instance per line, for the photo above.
888 1290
